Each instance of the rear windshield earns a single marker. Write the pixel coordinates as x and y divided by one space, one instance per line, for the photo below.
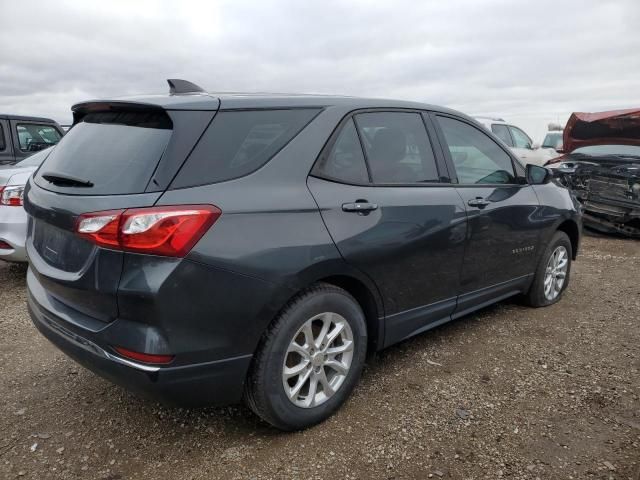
112 152
239 142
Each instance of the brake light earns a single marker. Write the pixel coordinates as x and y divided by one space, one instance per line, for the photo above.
168 231
11 196
5 246
144 357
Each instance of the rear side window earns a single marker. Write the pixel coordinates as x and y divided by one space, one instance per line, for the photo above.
476 157
2 144
116 151
33 137
502 132
345 161
239 142
397 147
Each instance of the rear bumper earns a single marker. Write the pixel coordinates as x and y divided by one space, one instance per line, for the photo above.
13 230
219 382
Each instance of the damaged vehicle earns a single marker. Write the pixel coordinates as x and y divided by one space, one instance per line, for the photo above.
601 165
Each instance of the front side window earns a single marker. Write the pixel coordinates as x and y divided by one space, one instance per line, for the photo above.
397 147
520 139
502 132
476 157
33 137
345 161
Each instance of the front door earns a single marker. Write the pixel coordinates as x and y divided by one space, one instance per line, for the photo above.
503 234
6 150
378 188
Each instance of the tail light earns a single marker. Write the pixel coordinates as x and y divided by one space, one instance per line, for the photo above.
11 196
169 231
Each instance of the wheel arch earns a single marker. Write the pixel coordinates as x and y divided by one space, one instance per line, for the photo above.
369 303
573 232
340 274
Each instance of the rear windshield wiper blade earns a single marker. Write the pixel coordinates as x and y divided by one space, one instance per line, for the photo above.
65 180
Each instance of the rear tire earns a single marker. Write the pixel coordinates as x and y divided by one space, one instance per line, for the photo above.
551 278
309 360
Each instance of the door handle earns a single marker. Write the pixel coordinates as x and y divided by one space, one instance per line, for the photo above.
362 207
478 202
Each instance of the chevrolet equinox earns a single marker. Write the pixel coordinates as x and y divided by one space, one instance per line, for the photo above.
207 249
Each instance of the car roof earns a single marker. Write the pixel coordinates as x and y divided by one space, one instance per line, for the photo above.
233 100
485 119
6 116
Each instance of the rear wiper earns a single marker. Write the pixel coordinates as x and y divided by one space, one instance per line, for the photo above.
64 180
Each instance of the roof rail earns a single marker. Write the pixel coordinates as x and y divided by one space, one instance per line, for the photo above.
178 86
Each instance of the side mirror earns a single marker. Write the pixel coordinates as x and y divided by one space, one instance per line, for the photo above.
535 146
537 175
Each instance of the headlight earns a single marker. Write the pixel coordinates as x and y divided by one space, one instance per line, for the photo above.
12 196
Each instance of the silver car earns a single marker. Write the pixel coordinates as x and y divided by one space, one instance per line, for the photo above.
13 218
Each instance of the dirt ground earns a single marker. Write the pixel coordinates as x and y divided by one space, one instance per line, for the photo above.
509 392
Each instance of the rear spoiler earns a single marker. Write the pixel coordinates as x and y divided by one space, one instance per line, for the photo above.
80 110
183 95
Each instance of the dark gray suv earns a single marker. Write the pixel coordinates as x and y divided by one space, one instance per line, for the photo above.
207 248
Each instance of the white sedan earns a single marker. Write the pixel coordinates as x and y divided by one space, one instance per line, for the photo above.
13 218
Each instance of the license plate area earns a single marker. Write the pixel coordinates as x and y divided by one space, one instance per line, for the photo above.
59 248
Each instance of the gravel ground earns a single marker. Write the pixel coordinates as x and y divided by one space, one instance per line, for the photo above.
509 392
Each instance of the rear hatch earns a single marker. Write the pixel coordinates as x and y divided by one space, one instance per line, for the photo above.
118 155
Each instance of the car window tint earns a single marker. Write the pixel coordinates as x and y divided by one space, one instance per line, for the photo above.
117 151
520 139
2 144
345 161
398 147
476 157
33 137
502 132
239 142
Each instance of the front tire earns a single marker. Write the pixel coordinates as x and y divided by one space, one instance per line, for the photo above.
551 278
309 360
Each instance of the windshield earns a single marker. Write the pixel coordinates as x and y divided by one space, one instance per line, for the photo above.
552 140
618 150
36 159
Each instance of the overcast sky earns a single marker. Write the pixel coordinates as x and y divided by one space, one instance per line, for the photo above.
529 61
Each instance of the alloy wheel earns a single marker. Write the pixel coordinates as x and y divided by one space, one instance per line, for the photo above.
318 360
556 273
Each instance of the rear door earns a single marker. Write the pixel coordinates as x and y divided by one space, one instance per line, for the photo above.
502 211
379 187
115 157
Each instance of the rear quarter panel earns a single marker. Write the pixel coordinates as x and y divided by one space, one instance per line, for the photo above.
270 232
